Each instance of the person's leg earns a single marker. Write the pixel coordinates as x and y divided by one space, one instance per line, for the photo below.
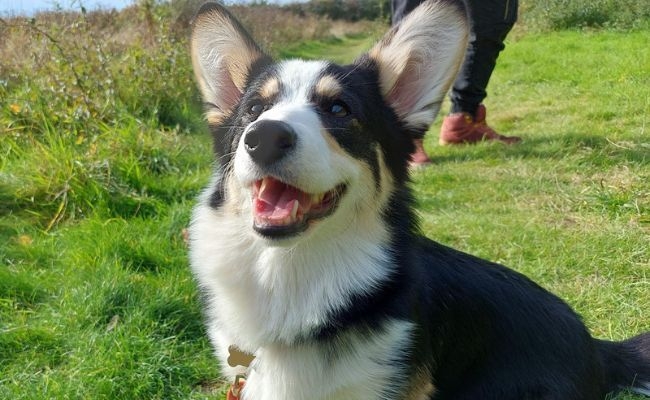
492 20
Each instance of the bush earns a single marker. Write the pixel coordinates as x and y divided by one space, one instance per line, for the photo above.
92 106
348 10
83 97
571 14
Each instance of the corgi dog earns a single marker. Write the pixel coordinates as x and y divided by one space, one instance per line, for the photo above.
306 247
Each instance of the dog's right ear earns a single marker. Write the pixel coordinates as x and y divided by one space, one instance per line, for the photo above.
419 58
223 55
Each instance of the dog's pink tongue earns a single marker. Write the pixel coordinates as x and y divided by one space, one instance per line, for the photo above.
277 203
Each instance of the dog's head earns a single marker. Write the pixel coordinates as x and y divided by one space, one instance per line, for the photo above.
299 142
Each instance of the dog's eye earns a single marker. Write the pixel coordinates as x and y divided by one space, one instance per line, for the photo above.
339 109
256 109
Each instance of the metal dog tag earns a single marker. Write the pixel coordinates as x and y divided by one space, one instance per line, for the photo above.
237 357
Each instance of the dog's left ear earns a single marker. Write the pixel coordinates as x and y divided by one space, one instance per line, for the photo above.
223 56
419 58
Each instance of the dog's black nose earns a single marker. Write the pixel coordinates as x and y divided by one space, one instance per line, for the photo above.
268 141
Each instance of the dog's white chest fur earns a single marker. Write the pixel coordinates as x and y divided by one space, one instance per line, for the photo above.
353 367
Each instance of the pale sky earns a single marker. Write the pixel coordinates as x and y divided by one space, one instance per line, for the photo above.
28 7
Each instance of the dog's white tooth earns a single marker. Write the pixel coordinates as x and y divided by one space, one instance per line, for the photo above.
294 210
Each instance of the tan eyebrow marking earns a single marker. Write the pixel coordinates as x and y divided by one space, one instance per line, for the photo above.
215 117
270 88
328 86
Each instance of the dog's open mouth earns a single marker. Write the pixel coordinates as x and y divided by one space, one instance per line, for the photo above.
281 210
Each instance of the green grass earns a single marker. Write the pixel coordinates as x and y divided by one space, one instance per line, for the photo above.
96 299
570 14
337 49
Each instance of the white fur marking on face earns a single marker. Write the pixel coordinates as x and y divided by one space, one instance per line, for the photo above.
299 79
310 167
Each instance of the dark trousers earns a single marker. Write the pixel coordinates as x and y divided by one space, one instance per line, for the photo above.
491 21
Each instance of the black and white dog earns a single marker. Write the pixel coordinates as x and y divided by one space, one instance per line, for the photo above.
307 249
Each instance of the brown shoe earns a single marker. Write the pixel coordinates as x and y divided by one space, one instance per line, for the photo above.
419 157
459 128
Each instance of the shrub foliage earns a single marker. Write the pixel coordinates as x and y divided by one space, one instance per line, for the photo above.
99 99
571 14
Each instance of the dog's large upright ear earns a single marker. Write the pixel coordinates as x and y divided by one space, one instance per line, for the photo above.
223 55
419 58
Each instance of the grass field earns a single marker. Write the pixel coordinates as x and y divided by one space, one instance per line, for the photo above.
96 299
